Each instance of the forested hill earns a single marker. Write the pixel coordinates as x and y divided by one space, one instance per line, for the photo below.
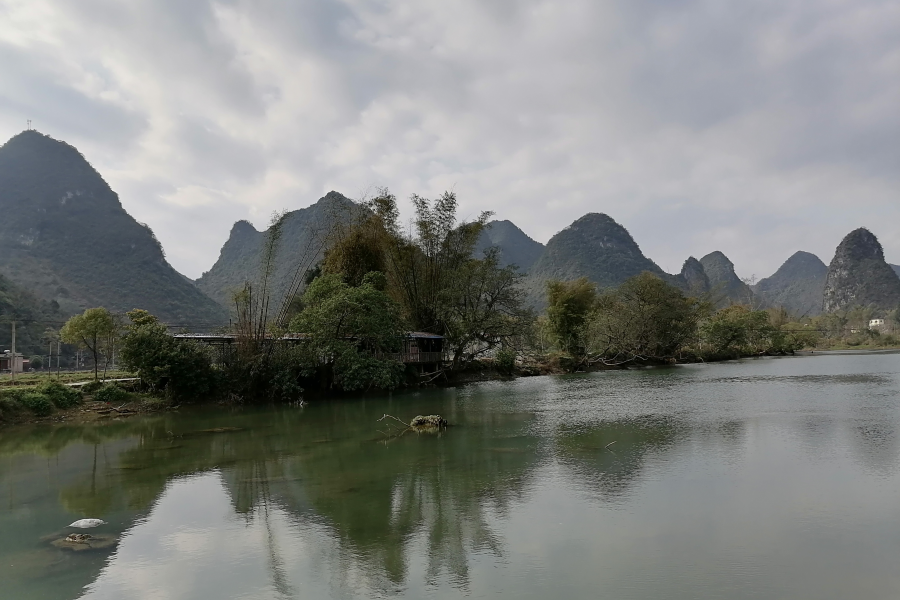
595 246
32 316
65 237
514 246
300 247
797 285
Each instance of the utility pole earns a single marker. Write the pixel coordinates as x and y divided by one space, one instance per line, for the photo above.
12 369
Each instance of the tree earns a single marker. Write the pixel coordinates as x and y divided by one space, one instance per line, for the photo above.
569 303
179 368
738 330
350 332
431 273
644 318
91 330
421 266
481 308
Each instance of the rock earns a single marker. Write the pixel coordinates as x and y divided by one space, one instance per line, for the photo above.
87 523
79 542
428 421
859 276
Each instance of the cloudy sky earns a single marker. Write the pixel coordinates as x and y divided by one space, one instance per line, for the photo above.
756 128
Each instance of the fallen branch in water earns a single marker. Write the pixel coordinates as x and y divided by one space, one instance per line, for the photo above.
609 444
385 416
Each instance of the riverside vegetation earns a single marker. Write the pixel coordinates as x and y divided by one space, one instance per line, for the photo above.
340 325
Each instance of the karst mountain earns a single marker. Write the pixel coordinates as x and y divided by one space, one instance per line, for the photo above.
302 242
859 276
798 285
65 238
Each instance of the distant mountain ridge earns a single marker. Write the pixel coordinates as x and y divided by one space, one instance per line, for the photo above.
725 286
65 237
515 247
301 247
594 246
798 285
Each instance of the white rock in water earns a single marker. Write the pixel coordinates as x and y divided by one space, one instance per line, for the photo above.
87 523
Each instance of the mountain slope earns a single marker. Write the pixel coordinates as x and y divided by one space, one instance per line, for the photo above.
726 287
515 247
65 236
797 285
32 317
301 245
859 276
594 246
693 279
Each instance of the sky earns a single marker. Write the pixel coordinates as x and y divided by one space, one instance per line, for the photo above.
755 128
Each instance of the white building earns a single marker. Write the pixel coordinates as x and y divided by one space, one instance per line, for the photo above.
876 324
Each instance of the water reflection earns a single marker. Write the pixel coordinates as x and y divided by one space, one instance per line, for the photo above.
608 458
317 502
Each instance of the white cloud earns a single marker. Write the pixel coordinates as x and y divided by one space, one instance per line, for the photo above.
756 129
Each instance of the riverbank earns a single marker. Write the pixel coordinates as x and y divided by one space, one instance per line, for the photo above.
134 403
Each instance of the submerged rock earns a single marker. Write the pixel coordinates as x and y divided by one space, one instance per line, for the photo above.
428 421
78 542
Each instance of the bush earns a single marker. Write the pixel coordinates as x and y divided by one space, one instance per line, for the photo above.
8 406
180 369
506 361
61 395
91 387
37 403
111 393
15 394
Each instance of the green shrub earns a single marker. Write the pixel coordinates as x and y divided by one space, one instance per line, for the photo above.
15 394
37 403
91 387
9 406
111 393
506 361
61 395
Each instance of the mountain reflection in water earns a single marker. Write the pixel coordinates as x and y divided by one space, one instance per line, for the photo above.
748 479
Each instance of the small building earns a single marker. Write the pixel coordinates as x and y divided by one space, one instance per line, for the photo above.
10 363
422 347
876 324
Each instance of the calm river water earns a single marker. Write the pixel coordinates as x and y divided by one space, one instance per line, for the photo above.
772 478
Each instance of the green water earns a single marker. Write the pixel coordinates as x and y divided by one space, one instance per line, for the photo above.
773 478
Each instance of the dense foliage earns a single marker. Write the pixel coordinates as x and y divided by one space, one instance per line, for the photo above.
433 274
350 333
178 368
644 318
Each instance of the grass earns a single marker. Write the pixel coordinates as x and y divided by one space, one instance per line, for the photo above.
31 379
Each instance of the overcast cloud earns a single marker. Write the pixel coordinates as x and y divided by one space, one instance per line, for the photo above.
756 128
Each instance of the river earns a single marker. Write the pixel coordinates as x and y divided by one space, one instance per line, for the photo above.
766 478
